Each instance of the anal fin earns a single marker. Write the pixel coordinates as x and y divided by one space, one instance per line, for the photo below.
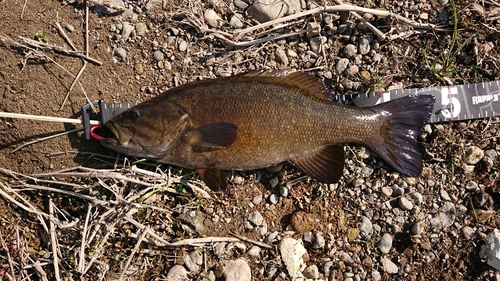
213 178
327 165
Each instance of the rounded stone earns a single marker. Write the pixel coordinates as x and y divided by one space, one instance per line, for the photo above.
212 18
385 243
350 51
237 270
341 65
405 204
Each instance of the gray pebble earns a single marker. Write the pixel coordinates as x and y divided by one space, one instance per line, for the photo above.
177 273
367 171
447 214
283 191
376 275
127 31
328 75
281 56
256 219
307 236
70 28
274 182
467 232
418 227
193 261
341 65
212 18
386 191
158 55
121 53
491 153
397 190
435 223
366 226
350 51
472 186
385 243
377 57
273 199
444 194
327 267
240 4
388 266
319 241
183 46
261 230
270 237
364 45
352 70
315 43
237 270
257 199
405 204
291 53
418 198
236 21
254 252
271 269
311 272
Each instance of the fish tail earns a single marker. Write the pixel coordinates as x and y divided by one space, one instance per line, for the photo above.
396 141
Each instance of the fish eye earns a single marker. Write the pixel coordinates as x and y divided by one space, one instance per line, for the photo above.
132 115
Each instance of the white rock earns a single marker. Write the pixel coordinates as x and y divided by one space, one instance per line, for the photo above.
493 249
212 18
292 252
389 266
366 226
127 30
177 273
266 10
237 270
254 252
385 243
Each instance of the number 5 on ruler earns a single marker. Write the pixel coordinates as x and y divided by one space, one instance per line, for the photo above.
450 102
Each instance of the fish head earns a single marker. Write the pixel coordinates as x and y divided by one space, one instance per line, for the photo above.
146 130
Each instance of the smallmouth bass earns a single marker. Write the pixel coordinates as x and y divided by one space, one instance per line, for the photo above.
258 119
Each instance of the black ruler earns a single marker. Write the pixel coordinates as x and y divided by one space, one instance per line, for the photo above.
453 103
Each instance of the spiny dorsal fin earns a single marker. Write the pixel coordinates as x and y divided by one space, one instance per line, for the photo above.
304 83
326 166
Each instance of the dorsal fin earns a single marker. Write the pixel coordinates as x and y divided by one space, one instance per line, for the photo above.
304 83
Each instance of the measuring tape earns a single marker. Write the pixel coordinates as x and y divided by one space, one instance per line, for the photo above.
453 103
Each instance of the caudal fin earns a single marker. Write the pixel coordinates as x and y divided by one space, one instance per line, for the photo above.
397 143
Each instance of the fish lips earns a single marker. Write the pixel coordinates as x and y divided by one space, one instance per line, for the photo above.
122 142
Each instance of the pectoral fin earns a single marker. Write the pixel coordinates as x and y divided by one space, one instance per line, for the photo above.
326 166
214 178
212 136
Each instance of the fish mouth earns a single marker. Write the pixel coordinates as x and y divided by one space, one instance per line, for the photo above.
121 141
121 135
